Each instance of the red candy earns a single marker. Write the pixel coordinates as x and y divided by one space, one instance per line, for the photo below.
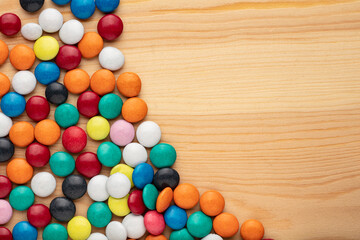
88 165
154 223
37 108
74 139
5 187
39 215
88 104
37 154
68 58
136 203
5 234
10 24
110 27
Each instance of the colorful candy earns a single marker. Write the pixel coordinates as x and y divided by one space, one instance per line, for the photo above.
88 103
43 184
37 155
166 177
46 48
110 106
5 82
56 93
226 225
55 231
68 58
6 124
5 234
175 217
37 108
154 222
252 230
39 215
97 188
19 171
79 228
98 128
110 27
74 139
182 234
77 81
150 195
4 51
134 154
102 82
107 6
51 20
143 174
129 84
31 31
13 104
5 186
71 32
47 132
212 203
74 186
97 236
116 231
122 133
10 24
24 82
118 185
62 164
88 165
164 200
62 209
47 72
66 115
163 155
91 45
124 169
186 196
22 57
199 225
21 198
22 229
111 58
119 206
134 225
134 110
109 154
6 149
31 5
6 212
99 214
136 203
82 9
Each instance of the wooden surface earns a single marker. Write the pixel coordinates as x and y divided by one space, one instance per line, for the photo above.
261 99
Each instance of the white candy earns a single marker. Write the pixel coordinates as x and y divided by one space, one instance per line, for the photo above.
134 154
148 134
212 236
97 236
116 231
31 31
111 58
118 185
134 225
5 125
71 32
97 188
24 82
51 20
43 184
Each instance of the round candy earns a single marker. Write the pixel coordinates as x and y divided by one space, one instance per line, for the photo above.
6 149
109 154
186 196
56 93
111 58
6 124
154 222
6 212
79 228
31 5
136 203
51 20
23 229
4 53
134 225
110 106
62 164
21 134
13 104
98 128
99 214
110 27
62 209
212 236
19 171
122 133
212 203
102 82
124 169
143 174
116 231
118 185
134 110
68 58
43 184
71 32
82 9
88 103
175 217
46 48
226 225
163 155
164 200
166 177
74 186
182 234
134 154
88 165
61 2
55 231
107 6
37 108
119 206
24 82
74 139
5 81
5 186
199 225
39 215
31 31
129 84
22 57
97 236
251 230
159 237
10 24
47 72
97 188
91 45
77 81
5 234
37 154
66 115
150 195
21 198
47 132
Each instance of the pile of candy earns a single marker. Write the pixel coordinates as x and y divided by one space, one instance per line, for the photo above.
149 201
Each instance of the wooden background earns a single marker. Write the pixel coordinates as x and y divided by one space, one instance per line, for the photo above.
261 99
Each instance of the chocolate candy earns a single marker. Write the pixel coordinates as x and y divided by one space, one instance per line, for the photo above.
37 154
143 174
74 186
31 5
134 225
154 222
13 104
99 214
5 234
74 139
37 108
22 229
56 93
43 184
110 27
68 58
6 149
39 215
88 165
88 103
62 209
82 9
10 24
5 186
166 177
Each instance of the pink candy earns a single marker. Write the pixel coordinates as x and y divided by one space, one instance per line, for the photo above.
154 223
5 211
122 133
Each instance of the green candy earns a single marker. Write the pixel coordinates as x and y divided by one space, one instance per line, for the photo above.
99 214
163 155
182 234
66 115
62 164
150 195
199 224
21 198
55 231
110 106
109 154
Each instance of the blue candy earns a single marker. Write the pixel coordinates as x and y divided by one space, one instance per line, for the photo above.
107 6
47 72
175 217
61 2
13 104
82 9
143 174
24 231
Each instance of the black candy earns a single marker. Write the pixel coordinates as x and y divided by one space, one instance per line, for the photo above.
56 93
74 186
166 177
31 5
62 209
6 149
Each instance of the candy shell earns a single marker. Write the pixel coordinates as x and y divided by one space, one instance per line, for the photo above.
46 48
4 52
129 84
37 155
143 174
136 203
31 31
24 82
74 186
98 128
43 184
21 198
5 186
134 225
91 45
97 188
47 72
150 195
110 106
55 231
61 2
79 228
111 58
88 103
186 196
164 200
102 82
212 236
31 5
66 115
175 217
163 155
22 57
212 203
109 154
107 6
21 134
5 234
166 177
99 214
110 27
118 185
68 58
19 171
251 229
6 211
83 9
199 225
77 81
47 132
51 20
13 104
74 139
154 222
10 24
124 169
116 231
226 225
5 82
119 206
122 133
39 215
71 32
6 124
182 234
56 93
88 165
97 236
37 108
6 149
134 110
62 164
134 154
22 229
62 209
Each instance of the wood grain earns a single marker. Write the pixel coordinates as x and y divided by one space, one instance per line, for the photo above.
260 98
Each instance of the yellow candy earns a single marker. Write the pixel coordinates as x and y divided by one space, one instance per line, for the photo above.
79 228
119 206
98 128
46 48
124 169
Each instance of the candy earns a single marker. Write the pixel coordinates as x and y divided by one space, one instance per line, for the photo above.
119 206
6 212
77 81
47 132
110 106
56 93
22 57
143 174
102 82
5 186
109 154
97 236
212 236
163 155
226 225
88 165
5 83
186 196
55 231
159 237
111 58
61 2
79 228
122 133
71 32
175 217
37 108
6 124
74 139
199 225
134 225
134 110
31 5
31 31
212 203
22 229
182 234
134 154
4 51
66 115
129 84
43 184
91 45
97 188
251 230
51 20
21 198
164 200
19 171
150 195
24 82
10 24
110 27
99 214
136 203
47 72
62 209
39 215
118 185
68 58
46 48
88 103
13 104
154 222
98 128
6 149
107 6
116 231
82 9
166 177
62 164
124 169
37 155
74 187
5 234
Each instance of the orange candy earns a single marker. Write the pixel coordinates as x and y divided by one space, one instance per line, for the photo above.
22 134
47 132
102 82
186 196
226 225
252 230
134 110
77 81
129 84
91 45
4 83
212 203
4 52
164 199
22 57
160 237
19 171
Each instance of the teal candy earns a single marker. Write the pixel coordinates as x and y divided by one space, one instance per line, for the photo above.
163 155
21 198
55 231
199 224
150 195
110 106
109 154
182 234
62 164
66 115
99 214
